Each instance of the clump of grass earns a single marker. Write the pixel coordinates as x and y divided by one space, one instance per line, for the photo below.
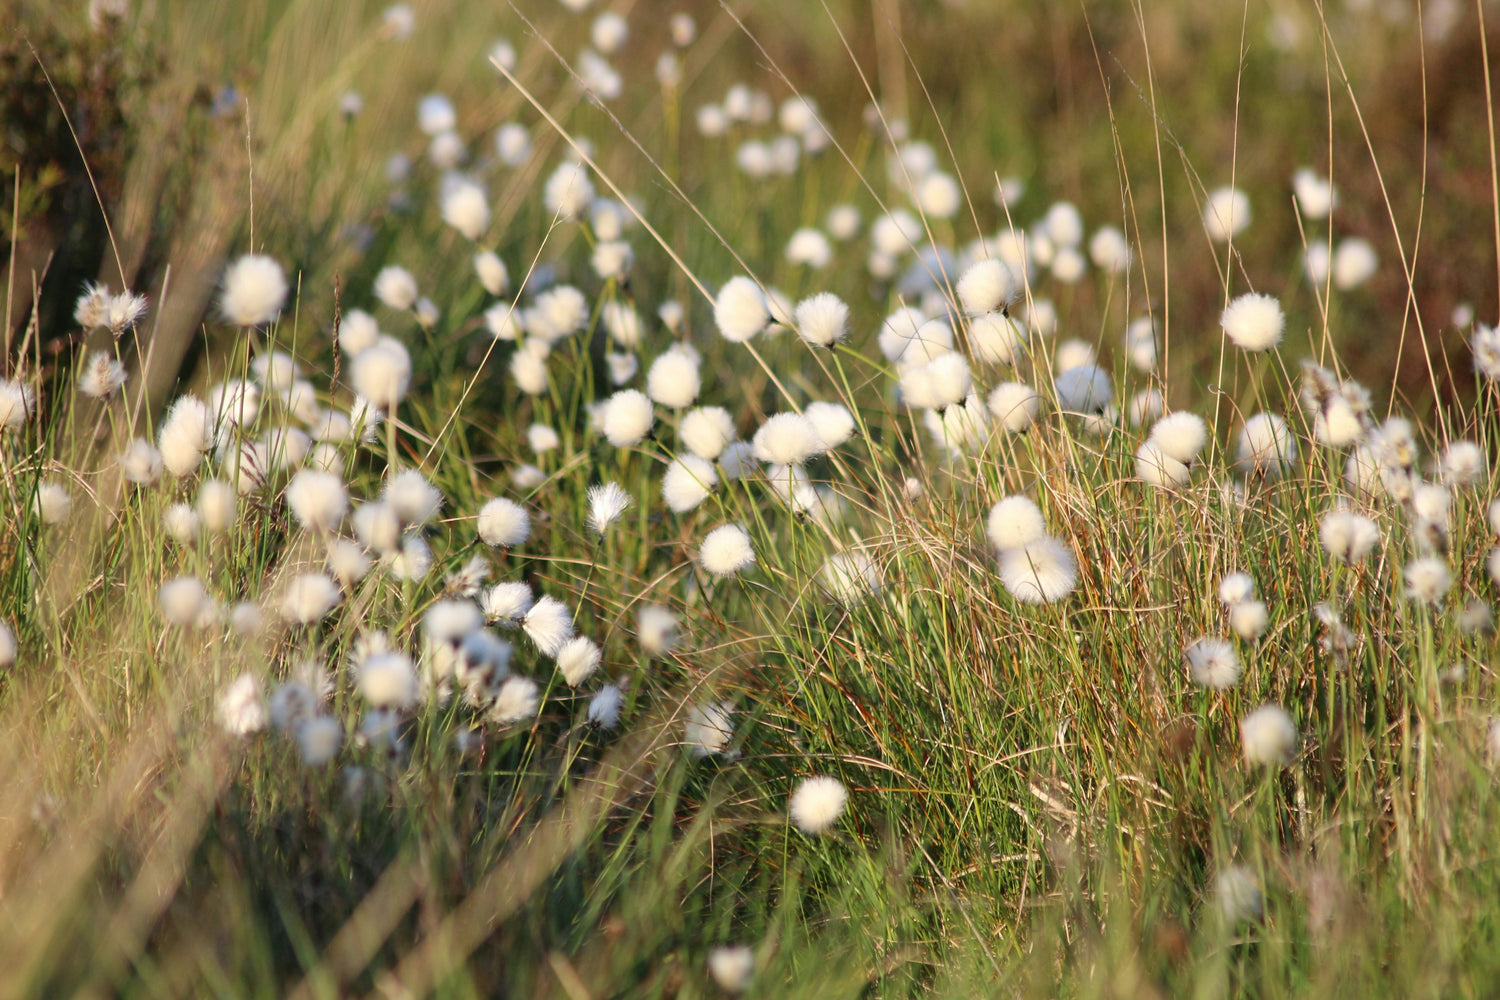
828 571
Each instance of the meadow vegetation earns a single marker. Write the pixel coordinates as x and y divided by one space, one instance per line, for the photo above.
592 499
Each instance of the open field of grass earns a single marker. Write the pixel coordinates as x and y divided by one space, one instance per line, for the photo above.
816 500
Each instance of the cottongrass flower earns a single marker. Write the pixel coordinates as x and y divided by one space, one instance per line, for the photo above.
507 603
241 711
382 373
53 503
1485 345
607 502
1254 322
656 629
255 288
101 376
1463 465
1427 580
706 431
396 288
1249 619
503 523
415 500
183 600
627 418
605 705
1238 895
1155 467
833 422
518 699
1268 736
808 246
318 500
996 339
7 645
740 310
850 578
309 598
492 272
549 624
318 740
1213 663
737 461
182 522
817 803
726 551
466 208
1265 447
568 191
1041 572
1015 522
708 729
822 320
1180 436
986 286
186 435
787 439
125 309
687 482
1315 195
387 680
578 659
731 966
378 526
1226 213
1236 588
246 619
1014 405
1354 263
673 379
940 383
1085 389
347 561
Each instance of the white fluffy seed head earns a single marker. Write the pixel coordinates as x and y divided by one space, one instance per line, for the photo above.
186 434
656 629
627 418
387 680
396 288
1427 580
255 288
1268 736
17 401
415 500
996 339
810 247
1226 213
1254 322
1083 390
8 645
740 310
706 431
1236 588
577 660
507 603
707 729
53 503
309 598
833 422
850 577
607 502
687 482
726 551
1015 522
1014 405
822 320
549 624
787 439
1041 572
1156 468
1347 536
817 804
1213 663
182 522
317 500
673 379
1249 619
1265 447
731 967
1180 435
466 208
492 272
183 600
568 191
503 523
381 373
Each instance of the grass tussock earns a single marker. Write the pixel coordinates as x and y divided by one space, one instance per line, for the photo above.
792 502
